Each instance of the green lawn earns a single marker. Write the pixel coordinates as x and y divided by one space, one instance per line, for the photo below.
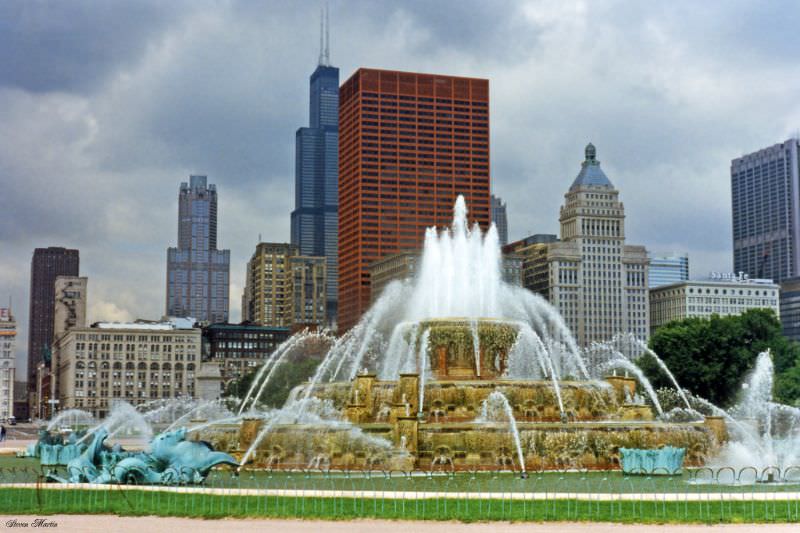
138 503
25 470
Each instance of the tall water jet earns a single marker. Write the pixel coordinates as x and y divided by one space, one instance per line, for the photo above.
498 400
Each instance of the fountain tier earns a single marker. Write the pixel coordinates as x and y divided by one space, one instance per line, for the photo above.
441 420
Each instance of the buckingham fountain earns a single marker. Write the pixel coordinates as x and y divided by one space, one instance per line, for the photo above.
457 369
453 370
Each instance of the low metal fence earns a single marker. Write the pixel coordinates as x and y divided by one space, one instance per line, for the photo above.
707 495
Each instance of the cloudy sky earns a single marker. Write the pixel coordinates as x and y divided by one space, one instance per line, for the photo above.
105 107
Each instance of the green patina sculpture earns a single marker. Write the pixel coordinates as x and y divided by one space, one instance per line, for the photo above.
663 461
170 460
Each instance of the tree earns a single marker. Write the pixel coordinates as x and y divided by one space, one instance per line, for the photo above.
711 357
286 377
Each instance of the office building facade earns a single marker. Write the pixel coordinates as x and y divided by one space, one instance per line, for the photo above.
790 307
315 220
136 362
198 274
284 288
765 198
667 268
239 349
500 219
703 298
594 278
46 266
409 144
8 345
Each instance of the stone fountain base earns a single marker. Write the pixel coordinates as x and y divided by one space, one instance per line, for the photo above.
444 433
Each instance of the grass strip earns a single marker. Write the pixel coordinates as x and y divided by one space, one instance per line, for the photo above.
128 502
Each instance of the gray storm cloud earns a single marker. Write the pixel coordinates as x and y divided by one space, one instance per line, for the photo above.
106 107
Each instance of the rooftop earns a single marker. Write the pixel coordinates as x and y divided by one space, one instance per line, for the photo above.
170 323
591 175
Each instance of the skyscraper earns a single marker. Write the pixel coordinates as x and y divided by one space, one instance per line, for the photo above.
500 219
315 217
765 194
667 268
197 273
46 266
410 144
596 281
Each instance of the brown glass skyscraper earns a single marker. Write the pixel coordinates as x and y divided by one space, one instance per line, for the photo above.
47 264
408 145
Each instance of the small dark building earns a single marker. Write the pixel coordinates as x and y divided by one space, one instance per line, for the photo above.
239 348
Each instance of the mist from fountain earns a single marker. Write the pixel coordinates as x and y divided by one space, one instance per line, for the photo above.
124 420
633 348
317 415
458 277
627 365
276 359
767 433
71 418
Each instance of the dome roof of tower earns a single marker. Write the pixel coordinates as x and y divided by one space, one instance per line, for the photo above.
591 174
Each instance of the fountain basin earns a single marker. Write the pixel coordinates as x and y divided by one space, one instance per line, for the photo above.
446 432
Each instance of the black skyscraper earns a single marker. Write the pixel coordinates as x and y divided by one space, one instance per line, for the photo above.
47 264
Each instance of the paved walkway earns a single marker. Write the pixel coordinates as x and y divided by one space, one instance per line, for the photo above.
113 524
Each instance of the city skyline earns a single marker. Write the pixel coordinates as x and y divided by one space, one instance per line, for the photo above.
117 151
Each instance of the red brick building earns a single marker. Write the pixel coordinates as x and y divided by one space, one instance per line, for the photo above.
408 145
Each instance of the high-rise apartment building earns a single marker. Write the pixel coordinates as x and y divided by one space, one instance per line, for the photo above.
765 194
316 186
667 268
284 288
8 338
46 266
409 144
596 281
500 219
198 273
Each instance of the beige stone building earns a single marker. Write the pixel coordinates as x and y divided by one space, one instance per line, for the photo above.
8 342
71 297
596 281
399 266
284 288
135 362
703 298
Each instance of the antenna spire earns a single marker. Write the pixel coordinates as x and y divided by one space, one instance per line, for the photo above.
324 36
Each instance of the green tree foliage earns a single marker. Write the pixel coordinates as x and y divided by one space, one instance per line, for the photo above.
711 357
286 377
